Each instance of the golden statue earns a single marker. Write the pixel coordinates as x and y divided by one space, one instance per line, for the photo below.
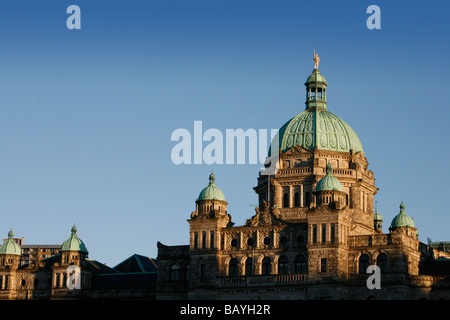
316 60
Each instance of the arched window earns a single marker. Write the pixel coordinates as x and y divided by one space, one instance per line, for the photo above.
285 200
174 274
296 199
266 266
363 263
300 264
382 262
249 267
233 270
283 266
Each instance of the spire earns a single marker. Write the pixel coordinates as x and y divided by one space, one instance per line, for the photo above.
377 219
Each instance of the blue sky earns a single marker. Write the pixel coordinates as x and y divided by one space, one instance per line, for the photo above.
86 116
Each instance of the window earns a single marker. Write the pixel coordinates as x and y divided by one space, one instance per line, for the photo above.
300 264
382 262
363 263
324 233
174 274
187 274
285 200
234 243
333 236
203 240
296 199
314 233
211 240
195 240
250 242
266 266
323 265
266 241
202 271
283 266
233 268
249 267
307 198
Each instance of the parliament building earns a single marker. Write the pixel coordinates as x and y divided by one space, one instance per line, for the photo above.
315 232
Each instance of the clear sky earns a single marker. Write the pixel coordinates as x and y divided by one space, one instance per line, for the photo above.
86 116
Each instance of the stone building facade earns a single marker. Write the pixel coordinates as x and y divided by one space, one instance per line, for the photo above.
70 275
314 234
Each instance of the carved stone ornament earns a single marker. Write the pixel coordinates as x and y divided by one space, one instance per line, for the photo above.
266 216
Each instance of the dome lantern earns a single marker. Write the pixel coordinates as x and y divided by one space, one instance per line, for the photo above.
316 85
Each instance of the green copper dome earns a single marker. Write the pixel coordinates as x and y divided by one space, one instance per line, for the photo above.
316 77
211 192
10 246
329 182
316 127
402 219
74 243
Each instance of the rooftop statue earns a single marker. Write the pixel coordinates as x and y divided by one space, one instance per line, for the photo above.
316 60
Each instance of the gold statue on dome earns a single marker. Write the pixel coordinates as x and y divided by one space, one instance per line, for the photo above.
316 60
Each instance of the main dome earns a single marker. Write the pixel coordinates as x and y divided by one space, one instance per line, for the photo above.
316 127
321 129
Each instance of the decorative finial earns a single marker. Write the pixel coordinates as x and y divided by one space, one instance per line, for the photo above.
402 207
316 60
74 229
212 177
329 168
10 234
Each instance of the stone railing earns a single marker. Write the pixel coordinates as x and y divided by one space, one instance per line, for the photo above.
297 277
294 171
261 280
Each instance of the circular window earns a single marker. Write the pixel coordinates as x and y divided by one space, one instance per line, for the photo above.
283 240
234 243
250 241
23 283
266 241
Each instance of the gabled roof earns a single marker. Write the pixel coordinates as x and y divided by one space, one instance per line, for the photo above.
137 263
